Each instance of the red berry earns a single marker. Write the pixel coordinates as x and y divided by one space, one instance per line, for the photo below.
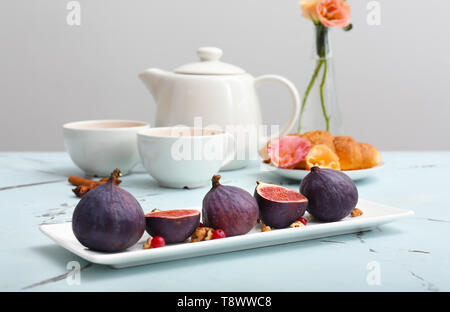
218 234
158 241
303 220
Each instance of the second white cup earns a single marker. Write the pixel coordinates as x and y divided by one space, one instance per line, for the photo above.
184 157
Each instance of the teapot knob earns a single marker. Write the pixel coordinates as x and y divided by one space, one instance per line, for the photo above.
209 54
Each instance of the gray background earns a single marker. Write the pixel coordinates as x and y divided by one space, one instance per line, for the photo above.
392 79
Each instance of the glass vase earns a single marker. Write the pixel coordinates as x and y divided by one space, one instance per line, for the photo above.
319 109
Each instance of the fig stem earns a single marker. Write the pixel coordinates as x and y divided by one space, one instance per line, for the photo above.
115 175
215 179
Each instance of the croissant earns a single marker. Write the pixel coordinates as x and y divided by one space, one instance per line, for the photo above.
349 152
370 156
354 155
317 137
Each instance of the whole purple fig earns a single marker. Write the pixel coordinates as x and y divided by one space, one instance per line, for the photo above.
229 208
331 194
108 218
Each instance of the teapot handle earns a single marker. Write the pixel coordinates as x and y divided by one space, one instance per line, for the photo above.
294 94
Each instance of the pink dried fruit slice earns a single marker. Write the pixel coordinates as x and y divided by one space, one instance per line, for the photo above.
288 151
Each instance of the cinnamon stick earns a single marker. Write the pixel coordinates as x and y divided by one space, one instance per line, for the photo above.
84 185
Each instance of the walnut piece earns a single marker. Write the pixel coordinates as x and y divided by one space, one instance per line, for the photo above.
356 212
296 224
265 228
148 243
202 233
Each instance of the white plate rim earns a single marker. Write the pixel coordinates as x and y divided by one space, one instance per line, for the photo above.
301 173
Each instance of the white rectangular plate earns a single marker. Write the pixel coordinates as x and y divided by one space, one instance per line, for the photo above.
374 215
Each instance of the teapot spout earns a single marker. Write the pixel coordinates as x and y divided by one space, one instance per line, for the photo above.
152 78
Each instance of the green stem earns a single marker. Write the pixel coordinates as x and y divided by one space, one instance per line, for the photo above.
308 89
322 100
322 51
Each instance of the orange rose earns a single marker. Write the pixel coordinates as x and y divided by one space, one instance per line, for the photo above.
333 13
309 9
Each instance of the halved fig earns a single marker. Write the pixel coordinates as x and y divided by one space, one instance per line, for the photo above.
279 206
174 225
288 151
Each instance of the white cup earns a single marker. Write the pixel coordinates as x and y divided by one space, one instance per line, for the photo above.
99 146
184 157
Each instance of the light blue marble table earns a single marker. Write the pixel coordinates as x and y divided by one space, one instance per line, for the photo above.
409 255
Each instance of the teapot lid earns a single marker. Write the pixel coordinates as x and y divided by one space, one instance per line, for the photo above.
209 64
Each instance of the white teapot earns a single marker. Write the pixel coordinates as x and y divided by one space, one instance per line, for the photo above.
220 94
